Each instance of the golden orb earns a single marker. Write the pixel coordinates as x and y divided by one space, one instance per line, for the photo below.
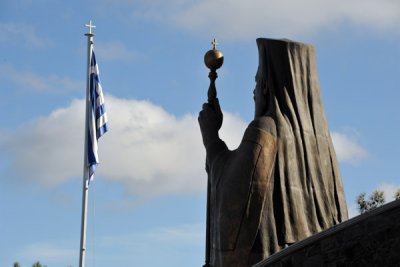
213 59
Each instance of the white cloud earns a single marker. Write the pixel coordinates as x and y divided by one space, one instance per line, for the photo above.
49 151
389 190
148 150
347 148
31 81
17 33
232 19
152 151
115 51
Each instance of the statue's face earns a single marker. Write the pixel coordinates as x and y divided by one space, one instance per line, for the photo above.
260 98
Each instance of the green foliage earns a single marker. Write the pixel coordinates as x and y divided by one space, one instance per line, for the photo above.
397 194
362 204
376 199
36 264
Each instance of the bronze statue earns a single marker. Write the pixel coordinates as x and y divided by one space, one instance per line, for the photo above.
282 184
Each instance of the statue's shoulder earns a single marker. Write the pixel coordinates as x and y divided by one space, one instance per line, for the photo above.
265 123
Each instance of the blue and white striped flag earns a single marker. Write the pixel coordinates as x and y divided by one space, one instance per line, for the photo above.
97 117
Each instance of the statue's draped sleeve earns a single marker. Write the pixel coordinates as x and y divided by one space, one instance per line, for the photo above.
239 181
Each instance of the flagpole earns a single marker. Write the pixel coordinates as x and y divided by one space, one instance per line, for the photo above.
85 190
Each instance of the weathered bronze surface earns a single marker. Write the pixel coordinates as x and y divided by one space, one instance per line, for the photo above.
282 184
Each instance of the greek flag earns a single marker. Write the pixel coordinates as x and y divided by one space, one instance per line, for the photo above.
97 117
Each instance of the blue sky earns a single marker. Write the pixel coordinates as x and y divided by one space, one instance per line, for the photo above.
147 203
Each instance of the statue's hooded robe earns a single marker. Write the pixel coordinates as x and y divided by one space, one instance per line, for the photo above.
282 184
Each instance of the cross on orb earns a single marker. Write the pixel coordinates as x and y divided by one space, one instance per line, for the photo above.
90 26
215 43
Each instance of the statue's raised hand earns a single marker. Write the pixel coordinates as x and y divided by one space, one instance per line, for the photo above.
210 120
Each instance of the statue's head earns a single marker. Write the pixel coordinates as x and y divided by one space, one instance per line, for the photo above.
285 71
263 98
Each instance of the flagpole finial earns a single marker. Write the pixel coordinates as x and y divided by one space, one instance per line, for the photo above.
90 26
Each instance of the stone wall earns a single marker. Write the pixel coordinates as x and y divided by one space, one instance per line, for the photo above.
371 239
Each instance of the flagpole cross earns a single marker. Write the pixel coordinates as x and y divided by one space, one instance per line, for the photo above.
90 26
